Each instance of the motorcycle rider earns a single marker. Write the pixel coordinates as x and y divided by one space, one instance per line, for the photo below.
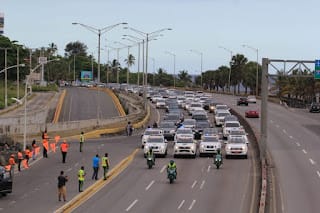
151 154
218 156
155 125
172 165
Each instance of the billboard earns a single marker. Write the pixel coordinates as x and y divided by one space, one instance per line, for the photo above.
86 75
1 23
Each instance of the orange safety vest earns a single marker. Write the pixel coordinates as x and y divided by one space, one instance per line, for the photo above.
7 167
12 161
64 147
45 144
27 152
20 156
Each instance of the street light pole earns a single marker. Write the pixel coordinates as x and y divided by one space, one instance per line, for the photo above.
229 78
201 62
174 67
26 100
99 32
153 76
257 72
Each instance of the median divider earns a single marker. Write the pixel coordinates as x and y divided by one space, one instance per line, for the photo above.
97 186
115 101
59 107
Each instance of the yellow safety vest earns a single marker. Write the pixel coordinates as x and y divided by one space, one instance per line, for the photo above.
81 174
104 161
81 138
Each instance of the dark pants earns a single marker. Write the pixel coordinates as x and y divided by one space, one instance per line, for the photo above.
95 173
81 145
19 164
45 152
64 155
105 171
81 185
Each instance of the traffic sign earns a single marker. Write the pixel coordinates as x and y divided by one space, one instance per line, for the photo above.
42 60
317 69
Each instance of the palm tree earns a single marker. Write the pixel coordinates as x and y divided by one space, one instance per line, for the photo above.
129 61
237 65
184 77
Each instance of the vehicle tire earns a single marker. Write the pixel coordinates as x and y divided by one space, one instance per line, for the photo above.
227 156
149 166
246 157
174 156
171 180
200 155
195 155
218 166
4 194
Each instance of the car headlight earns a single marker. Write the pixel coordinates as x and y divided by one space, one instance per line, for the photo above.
172 131
176 147
228 148
202 146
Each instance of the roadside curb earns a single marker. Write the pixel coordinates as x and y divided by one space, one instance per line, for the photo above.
59 107
97 186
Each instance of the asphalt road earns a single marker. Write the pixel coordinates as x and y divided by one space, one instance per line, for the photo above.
84 104
293 141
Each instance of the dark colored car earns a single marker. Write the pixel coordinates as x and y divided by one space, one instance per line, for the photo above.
200 126
315 107
5 181
242 101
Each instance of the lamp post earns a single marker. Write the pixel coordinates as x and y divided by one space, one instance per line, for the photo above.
14 66
138 43
147 36
128 46
26 99
174 68
201 56
99 32
257 72
229 78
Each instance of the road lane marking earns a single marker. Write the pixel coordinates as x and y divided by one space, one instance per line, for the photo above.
150 184
284 131
312 161
318 173
304 151
277 125
208 170
298 144
76 165
1 209
194 183
291 137
131 205
158 116
271 121
192 204
202 184
68 170
181 204
12 202
163 168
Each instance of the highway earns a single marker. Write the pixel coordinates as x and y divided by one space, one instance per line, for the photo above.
293 141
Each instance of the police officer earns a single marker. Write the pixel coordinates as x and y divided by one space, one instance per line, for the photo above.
81 174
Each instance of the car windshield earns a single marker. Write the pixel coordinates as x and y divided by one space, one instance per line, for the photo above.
172 117
167 125
152 132
239 140
219 107
222 114
155 140
210 131
184 131
199 117
210 139
196 105
189 122
232 125
202 125
185 140
237 133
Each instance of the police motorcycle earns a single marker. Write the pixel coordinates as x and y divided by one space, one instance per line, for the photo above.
150 159
218 159
171 172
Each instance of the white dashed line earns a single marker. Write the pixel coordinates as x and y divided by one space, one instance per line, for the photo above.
318 173
181 204
131 205
202 184
208 170
163 168
284 131
291 137
68 170
1 209
194 183
150 184
271 121
298 144
311 161
76 165
277 126
12 202
304 151
192 204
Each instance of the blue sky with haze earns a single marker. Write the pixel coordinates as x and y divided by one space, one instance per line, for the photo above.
284 29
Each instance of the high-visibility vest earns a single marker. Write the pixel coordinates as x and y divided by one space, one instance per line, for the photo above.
81 174
81 138
45 136
104 161
64 147
20 156
27 152
7 167
12 161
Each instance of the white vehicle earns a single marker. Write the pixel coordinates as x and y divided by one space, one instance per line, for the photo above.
183 132
221 107
251 99
155 98
158 145
236 146
185 146
230 125
148 132
180 100
240 133
161 103
194 106
209 145
219 117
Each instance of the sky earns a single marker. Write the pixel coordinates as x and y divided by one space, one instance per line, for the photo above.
279 29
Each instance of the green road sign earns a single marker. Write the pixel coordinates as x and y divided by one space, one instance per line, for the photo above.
317 69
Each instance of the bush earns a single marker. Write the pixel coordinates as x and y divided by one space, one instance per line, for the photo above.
50 87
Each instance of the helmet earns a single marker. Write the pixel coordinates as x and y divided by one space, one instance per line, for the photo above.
171 161
12 155
218 151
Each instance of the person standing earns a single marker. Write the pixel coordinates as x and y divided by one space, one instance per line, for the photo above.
12 161
62 191
81 141
95 165
20 158
64 150
34 146
45 143
105 165
27 155
81 174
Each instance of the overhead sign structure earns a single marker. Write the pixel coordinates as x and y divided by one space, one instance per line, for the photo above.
317 69
42 60
86 75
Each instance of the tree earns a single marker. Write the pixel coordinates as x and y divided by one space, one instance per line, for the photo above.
237 65
184 77
77 48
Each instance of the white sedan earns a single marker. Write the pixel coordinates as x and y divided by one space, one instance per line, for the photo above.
148 132
158 145
236 146
209 145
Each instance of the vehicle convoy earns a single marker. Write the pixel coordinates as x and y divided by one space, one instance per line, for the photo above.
6 180
209 145
158 144
236 146
185 146
148 132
